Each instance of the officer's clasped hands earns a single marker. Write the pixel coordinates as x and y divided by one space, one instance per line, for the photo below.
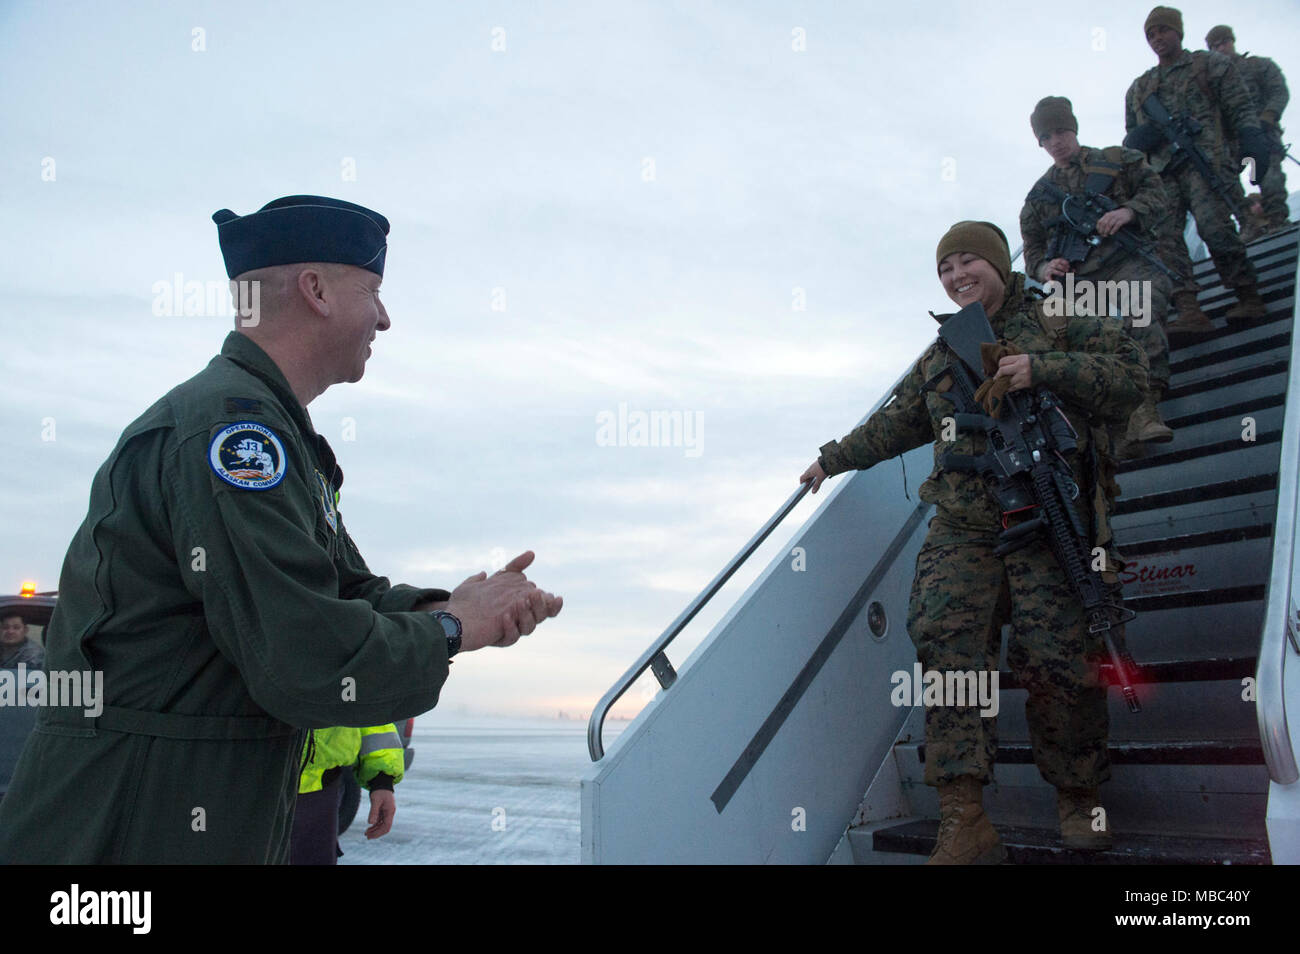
496 610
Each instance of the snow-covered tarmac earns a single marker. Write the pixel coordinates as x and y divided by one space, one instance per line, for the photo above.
483 790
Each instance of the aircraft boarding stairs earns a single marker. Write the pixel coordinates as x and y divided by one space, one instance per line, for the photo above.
762 747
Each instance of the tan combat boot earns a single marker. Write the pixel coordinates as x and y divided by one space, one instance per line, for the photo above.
966 836
1074 806
1249 306
1145 425
1191 320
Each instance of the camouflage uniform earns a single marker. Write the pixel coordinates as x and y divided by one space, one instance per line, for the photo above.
1268 89
1208 87
963 593
1136 187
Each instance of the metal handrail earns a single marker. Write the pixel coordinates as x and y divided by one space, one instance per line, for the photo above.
654 656
1281 617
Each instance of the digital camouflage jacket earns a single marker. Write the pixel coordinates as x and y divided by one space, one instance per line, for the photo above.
1134 185
1097 371
1266 83
1205 85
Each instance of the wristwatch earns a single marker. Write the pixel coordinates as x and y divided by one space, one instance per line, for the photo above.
451 628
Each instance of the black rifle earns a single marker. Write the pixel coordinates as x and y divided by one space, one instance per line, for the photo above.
1075 229
1182 132
1026 466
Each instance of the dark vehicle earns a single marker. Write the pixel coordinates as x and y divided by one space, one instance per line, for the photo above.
16 722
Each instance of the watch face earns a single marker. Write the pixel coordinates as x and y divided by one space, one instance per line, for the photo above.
450 624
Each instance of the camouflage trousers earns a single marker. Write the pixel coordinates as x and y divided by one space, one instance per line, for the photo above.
1187 192
1273 186
961 596
1152 337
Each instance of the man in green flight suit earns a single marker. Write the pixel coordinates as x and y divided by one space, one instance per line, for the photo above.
963 591
214 584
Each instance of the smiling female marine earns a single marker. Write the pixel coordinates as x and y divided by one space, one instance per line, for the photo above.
963 592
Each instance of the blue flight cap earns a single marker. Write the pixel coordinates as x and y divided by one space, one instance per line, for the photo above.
302 228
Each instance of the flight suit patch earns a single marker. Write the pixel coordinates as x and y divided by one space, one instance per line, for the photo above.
236 405
248 455
327 501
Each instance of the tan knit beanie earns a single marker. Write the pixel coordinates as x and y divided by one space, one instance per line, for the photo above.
1218 35
1052 113
979 238
1164 16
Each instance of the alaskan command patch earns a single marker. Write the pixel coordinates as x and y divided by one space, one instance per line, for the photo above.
248 455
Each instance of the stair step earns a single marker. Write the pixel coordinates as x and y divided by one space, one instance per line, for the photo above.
1230 460
1215 597
1253 406
1216 429
1239 376
1175 670
1193 349
1185 495
1231 352
1188 541
1250 509
1194 752
1147 799
1209 400
1179 455
1039 846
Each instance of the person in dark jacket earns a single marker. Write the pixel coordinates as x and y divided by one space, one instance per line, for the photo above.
216 587
15 647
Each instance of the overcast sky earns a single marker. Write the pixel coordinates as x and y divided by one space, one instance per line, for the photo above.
594 206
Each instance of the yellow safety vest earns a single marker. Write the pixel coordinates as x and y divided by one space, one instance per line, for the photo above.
370 751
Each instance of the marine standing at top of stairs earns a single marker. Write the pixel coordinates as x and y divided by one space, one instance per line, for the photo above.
1203 89
1268 89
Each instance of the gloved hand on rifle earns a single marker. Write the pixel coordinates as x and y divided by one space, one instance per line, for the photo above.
1145 138
1006 369
1254 143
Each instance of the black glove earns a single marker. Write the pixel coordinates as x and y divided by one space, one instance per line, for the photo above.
1145 138
1254 143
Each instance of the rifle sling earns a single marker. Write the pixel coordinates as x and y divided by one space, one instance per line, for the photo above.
1100 175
